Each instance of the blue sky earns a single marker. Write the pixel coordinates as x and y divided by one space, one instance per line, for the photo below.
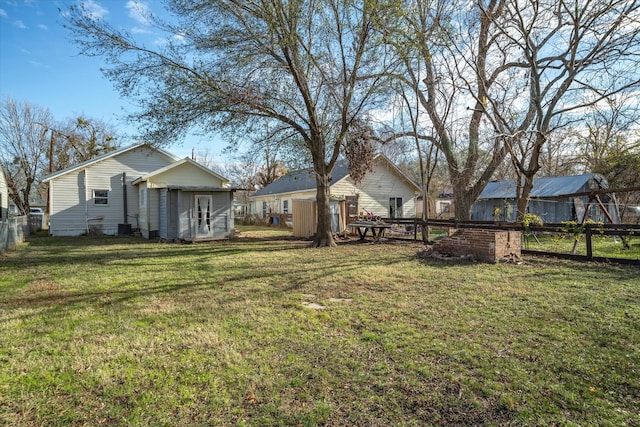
40 64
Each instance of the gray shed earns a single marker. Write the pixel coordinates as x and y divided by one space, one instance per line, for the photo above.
552 198
195 214
185 201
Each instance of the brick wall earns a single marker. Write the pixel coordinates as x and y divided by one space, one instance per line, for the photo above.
485 245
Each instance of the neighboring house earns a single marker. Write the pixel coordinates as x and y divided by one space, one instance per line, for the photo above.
4 196
143 188
386 191
553 199
445 204
443 207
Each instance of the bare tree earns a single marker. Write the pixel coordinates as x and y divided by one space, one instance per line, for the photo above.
454 64
23 148
80 139
609 144
312 67
571 54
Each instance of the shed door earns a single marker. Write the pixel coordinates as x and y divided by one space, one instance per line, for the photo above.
334 209
202 216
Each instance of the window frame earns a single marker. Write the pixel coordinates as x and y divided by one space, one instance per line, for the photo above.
397 208
105 197
352 205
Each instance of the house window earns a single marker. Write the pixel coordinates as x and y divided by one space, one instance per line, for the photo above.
395 207
445 207
264 209
352 205
143 197
285 206
100 197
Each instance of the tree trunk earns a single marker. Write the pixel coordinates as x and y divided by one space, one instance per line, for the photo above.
324 235
463 199
523 198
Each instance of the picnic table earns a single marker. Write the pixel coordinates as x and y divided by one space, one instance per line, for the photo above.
377 229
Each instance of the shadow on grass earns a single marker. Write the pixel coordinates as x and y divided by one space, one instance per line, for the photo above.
281 278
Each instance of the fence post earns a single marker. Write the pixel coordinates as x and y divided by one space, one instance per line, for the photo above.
587 235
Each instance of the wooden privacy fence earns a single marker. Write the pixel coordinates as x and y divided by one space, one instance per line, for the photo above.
411 228
12 232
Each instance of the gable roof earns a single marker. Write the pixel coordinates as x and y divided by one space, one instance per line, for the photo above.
545 187
304 179
301 180
186 160
105 156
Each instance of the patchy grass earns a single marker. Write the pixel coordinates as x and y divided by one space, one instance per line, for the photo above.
602 246
120 331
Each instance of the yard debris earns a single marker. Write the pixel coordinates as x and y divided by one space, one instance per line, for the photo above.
430 252
313 305
512 259
340 299
251 398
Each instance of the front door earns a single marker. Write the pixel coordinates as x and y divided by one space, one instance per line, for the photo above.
202 213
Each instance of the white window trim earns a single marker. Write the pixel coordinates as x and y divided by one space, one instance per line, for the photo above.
96 198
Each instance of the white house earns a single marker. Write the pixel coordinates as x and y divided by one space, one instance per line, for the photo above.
386 191
4 195
144 188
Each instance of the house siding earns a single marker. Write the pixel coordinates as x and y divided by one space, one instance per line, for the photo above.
374 192
4 196
153 213
163 229
67 209
184 175
275 202
73 211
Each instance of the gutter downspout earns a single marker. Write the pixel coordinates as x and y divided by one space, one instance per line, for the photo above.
230 231
148 205
124 197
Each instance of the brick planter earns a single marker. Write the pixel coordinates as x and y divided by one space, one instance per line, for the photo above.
485 245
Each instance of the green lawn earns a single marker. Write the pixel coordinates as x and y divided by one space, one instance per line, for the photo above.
122 331
602 246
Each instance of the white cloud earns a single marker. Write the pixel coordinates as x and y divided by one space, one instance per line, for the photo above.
163 41
19 24
140 30
139 11
3 13
94 10
43 27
